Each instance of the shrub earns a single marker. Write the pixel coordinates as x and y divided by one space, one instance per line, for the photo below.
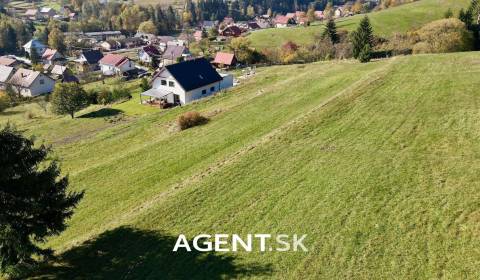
4 101
92 96
441 36
104 97
120 93
365 54
191 119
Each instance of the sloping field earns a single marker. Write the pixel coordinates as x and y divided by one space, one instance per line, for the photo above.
386 22
377 163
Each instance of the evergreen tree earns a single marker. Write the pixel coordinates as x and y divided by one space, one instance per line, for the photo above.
34 201
331 32
34 56
362 36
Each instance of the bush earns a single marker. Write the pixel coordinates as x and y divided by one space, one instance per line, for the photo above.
442 36
120 94
365 54
191 119
4 101
104 97
92 96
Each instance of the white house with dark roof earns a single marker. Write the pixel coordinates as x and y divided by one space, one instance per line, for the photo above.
187 81
34 43
31 83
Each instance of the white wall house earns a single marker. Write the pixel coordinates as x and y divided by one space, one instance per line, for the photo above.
34 43
114 64
187 81
31 83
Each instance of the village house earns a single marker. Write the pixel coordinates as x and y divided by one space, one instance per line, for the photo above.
319 15
208 24
6 73
147 38
47 13
51 57
174 54
32 14
185 82
31 83
284 21
87 60
231 31
224 60
63 74
339 12
148 53
111 45
9 61
114 64
132 42
34 43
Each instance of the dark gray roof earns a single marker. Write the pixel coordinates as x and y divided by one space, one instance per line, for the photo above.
194 73
92 56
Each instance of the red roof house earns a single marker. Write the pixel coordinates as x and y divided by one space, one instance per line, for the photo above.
225 59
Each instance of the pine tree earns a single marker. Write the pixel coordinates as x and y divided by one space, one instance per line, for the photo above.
34 56
33 197
331 32
362 36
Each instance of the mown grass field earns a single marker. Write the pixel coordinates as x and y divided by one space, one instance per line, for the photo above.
376 162
397 19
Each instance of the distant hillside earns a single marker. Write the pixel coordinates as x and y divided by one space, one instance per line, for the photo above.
385 22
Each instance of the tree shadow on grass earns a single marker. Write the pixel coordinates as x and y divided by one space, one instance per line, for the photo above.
127 253
102 113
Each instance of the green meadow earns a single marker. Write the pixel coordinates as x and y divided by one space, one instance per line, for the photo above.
401 18
377 163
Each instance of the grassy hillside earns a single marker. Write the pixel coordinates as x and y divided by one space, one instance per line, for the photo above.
376 162
386 22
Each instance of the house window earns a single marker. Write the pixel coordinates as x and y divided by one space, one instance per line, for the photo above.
42 81
171 84
164 82
212 89
204 91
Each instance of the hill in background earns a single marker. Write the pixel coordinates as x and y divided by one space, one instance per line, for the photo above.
385 22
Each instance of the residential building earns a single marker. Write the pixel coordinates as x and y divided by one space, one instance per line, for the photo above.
47 13
184 82
231 31
224 60
88 60
34 43
174 54
6 73
31 83
50 57
148 53
114 64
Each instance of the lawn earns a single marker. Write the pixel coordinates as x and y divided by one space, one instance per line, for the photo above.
377 163
386 22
